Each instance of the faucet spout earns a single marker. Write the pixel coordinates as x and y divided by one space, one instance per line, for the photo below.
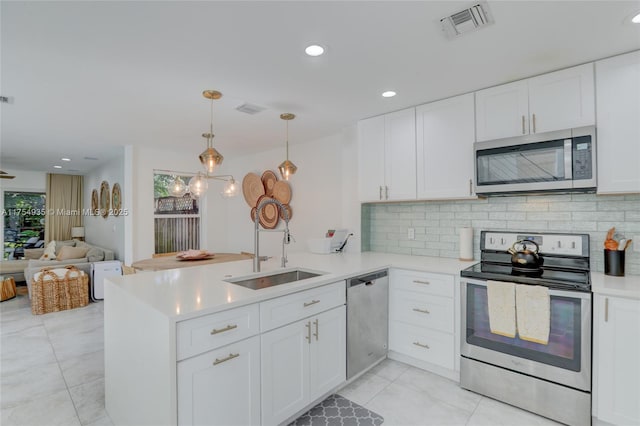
256 239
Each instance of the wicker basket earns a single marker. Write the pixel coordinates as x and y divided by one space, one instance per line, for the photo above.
53 293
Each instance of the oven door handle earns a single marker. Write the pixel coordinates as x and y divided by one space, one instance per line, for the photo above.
552 292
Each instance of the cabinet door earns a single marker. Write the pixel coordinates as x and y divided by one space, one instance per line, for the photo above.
618 105
285 371
445 131
617 387
371 159
562 99
221 387
400 155
328 351
502 111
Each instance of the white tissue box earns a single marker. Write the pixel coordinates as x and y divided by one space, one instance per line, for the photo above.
319 245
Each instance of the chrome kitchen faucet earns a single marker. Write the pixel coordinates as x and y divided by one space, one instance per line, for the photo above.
286 239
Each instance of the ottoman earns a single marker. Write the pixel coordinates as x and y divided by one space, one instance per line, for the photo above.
8 289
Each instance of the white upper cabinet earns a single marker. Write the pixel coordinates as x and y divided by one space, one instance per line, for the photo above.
555 101
562 99
371 158
618 130
445 136
400 155
502 111
387 163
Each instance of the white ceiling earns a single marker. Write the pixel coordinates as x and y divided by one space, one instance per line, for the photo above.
88 76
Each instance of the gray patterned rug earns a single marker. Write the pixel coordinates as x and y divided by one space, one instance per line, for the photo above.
338 411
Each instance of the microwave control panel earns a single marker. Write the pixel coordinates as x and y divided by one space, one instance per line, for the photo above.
582 158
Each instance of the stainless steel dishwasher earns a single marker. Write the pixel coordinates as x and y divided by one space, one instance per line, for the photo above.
367 320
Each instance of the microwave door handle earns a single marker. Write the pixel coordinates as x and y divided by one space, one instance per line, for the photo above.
568 160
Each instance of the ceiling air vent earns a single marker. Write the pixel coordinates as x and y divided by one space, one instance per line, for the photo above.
467 20
250 109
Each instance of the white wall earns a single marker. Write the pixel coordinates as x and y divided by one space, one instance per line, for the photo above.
350 205
24 181
106 232
323 194
143 162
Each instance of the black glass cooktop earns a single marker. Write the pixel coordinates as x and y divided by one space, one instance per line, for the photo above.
577 280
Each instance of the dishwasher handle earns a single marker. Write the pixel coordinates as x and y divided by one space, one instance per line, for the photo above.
367 279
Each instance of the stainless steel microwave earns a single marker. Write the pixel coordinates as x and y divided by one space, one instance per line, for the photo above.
561 161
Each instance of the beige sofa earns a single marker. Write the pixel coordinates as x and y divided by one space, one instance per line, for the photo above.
13 268
34 265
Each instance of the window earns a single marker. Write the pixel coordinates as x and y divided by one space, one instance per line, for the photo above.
23 222
176 219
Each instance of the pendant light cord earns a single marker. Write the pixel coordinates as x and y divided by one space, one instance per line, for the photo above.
287 140
210 138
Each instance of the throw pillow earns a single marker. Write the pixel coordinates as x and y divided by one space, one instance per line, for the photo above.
67 243
34 254
82 244
95 254
68 252
49 251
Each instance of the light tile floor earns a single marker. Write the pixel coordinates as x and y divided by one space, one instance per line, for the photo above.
52 373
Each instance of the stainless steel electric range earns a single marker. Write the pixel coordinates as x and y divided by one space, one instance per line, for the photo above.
553 379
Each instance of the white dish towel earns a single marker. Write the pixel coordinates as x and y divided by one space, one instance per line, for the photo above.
502 308
533 313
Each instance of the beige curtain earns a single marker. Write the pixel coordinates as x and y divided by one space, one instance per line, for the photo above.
64 206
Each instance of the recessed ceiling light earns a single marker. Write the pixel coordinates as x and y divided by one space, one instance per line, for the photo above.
65 159
636 19
388 94
57 167
314 50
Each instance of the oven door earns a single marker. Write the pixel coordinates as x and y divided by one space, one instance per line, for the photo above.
566 359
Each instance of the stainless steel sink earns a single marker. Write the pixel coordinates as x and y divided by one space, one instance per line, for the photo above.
264 281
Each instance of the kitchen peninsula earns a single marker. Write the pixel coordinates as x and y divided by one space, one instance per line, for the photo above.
154 323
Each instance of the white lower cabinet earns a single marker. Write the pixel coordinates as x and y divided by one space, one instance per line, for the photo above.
422 319
222 386
616 353
301 362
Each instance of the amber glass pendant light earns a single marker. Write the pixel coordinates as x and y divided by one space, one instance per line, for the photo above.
287 168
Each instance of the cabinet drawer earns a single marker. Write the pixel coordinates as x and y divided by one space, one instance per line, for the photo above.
284 310
421 343
423 282
212 331
423 310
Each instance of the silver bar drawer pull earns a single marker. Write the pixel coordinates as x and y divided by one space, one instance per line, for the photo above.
422 311
421 282
222 330
313 302
316 333
230 357
421 345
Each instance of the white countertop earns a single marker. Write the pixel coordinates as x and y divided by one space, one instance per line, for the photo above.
607 285
189 292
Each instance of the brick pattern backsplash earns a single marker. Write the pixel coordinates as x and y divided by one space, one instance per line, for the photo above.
436 223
